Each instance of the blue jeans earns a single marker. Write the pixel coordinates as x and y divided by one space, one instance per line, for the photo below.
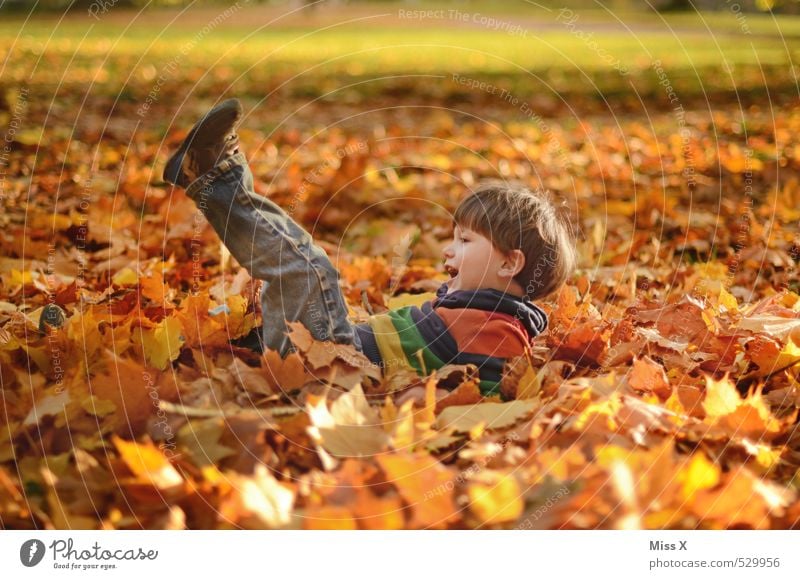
300 282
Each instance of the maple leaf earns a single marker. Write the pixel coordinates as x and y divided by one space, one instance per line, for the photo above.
161 344
340 364
493 416
495 497
425 485
648 376
152 287
350 428
749 417
632 423
148 464
258 501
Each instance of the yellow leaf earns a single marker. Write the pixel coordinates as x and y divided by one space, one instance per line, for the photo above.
712 270
96 406
161 344
495 497
17 277
238 321
29 137
788 356
425 485
401 424
721 397
766 456
607 408
146 461
727 300
699 474
83 329
615 207
530 383
125 276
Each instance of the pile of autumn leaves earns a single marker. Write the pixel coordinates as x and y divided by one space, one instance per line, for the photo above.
662 396
611 423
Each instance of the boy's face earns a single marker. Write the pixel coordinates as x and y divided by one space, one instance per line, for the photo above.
473 262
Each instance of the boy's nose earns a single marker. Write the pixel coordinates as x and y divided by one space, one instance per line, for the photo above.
448 251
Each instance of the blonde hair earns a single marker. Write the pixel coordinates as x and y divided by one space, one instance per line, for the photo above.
515 217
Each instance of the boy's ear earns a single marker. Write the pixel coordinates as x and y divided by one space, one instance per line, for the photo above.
512 264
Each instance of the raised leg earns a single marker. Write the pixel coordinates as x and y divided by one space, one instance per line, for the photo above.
300 282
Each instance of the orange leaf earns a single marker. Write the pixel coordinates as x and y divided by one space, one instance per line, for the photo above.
148 463
425 485
648 376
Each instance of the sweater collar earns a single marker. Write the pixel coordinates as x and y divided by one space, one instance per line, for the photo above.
529 314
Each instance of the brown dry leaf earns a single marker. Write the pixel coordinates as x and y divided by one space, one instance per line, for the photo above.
284 374
131 387
685 283
584 344
495 416
254 380
648 376
201 440
339 364
258 501
521 379
466 393
350 428
774 326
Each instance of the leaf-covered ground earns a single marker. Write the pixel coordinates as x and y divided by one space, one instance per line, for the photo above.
664 395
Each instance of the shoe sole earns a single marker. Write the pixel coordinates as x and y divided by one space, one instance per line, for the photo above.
218 121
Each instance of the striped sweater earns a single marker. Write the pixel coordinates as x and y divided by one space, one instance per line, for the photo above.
483 327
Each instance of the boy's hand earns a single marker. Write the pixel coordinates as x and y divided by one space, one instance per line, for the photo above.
417 394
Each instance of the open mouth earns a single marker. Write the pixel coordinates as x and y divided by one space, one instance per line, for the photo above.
451 271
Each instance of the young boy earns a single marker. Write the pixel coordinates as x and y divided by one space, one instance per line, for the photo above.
509 246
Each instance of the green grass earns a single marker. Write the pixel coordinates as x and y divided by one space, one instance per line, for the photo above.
385 50
107 53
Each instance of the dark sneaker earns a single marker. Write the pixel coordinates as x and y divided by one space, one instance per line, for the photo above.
212 139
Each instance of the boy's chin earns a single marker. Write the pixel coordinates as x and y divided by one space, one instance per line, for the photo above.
454 284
